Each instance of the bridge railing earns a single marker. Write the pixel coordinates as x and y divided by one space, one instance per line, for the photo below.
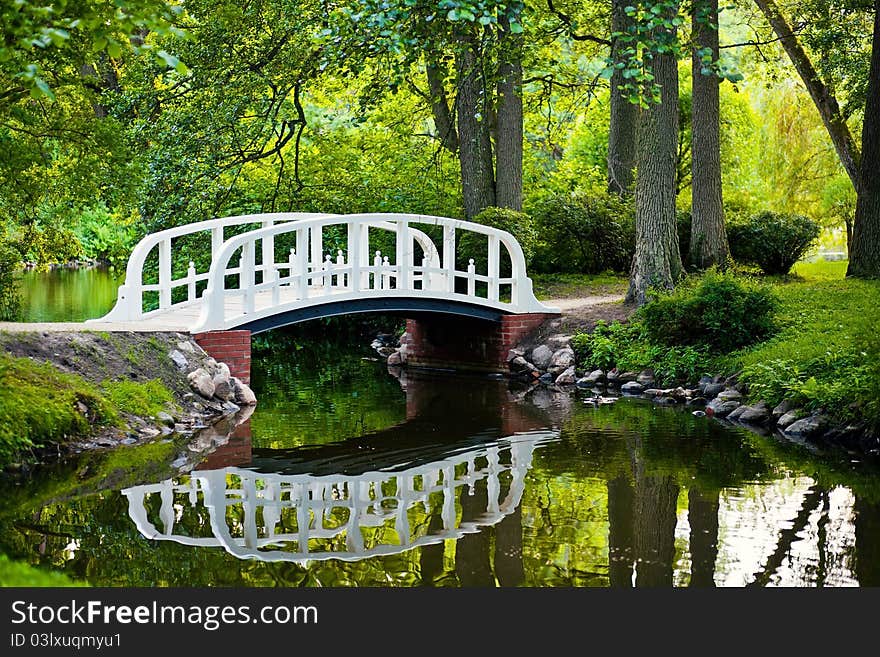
310 275
278 517
131 299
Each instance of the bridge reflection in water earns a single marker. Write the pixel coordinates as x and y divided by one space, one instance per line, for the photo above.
282 517
376 495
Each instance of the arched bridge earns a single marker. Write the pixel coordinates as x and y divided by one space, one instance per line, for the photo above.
270 270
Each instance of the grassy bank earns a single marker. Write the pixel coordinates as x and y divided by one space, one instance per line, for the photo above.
821 354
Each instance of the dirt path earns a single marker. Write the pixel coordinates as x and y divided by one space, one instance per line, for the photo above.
582 313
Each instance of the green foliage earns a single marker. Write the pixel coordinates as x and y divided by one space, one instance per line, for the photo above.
718 310
518 224
586 234
773 241
141 399
628 348
10 300
41 405
105 237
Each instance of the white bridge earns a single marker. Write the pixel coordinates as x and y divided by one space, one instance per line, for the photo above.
302 518
268 270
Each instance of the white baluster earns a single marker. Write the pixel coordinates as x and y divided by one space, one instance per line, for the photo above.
191 281
269 273
386 274
246 276
494 267
291 272
449 256
377 275
340 264
471 280
327 278
302 264
165 273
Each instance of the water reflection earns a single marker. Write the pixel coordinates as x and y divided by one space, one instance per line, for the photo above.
302 518
472 485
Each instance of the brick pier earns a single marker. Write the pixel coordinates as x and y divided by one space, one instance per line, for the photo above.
447 342
230 347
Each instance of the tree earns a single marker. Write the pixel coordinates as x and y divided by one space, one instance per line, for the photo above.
864 257
624 113
657 261
708 245
483 125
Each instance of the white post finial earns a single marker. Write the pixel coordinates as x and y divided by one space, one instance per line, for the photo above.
386 276
328 274
191 281
471 280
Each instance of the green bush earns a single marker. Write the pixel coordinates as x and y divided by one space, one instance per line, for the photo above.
104 237
772 241
627 347
585 234
717 310
10 300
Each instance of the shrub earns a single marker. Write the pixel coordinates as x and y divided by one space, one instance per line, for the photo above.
717 310
772 241
10 301
104 237
585 234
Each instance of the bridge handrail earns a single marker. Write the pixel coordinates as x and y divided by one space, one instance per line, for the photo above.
403 271
129 303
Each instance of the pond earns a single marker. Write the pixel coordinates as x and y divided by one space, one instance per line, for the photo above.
68 294
349 475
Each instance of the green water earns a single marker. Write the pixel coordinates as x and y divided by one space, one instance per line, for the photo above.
68 294
346 475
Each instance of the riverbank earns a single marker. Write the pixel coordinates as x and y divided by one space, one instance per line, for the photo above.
814 378
75 391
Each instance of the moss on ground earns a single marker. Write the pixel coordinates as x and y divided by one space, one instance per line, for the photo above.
43 407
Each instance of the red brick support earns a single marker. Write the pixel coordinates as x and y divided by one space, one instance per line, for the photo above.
468 344
230 347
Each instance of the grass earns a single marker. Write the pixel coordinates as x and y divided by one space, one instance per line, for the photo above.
142 399
825 353
42 406
571 286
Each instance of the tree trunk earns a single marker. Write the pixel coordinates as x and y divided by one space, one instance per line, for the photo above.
620 532
624 114
475 144
822 96
864 259
655 521
443 120
509 568
708 238
657 261
867 552
509 118
703 519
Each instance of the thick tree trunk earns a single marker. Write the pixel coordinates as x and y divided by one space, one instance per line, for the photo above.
624 114
703 519
867 566
443 119
657 261
822 96
864 253
655 521
472 551
708 238
620 532
475 144
509 122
